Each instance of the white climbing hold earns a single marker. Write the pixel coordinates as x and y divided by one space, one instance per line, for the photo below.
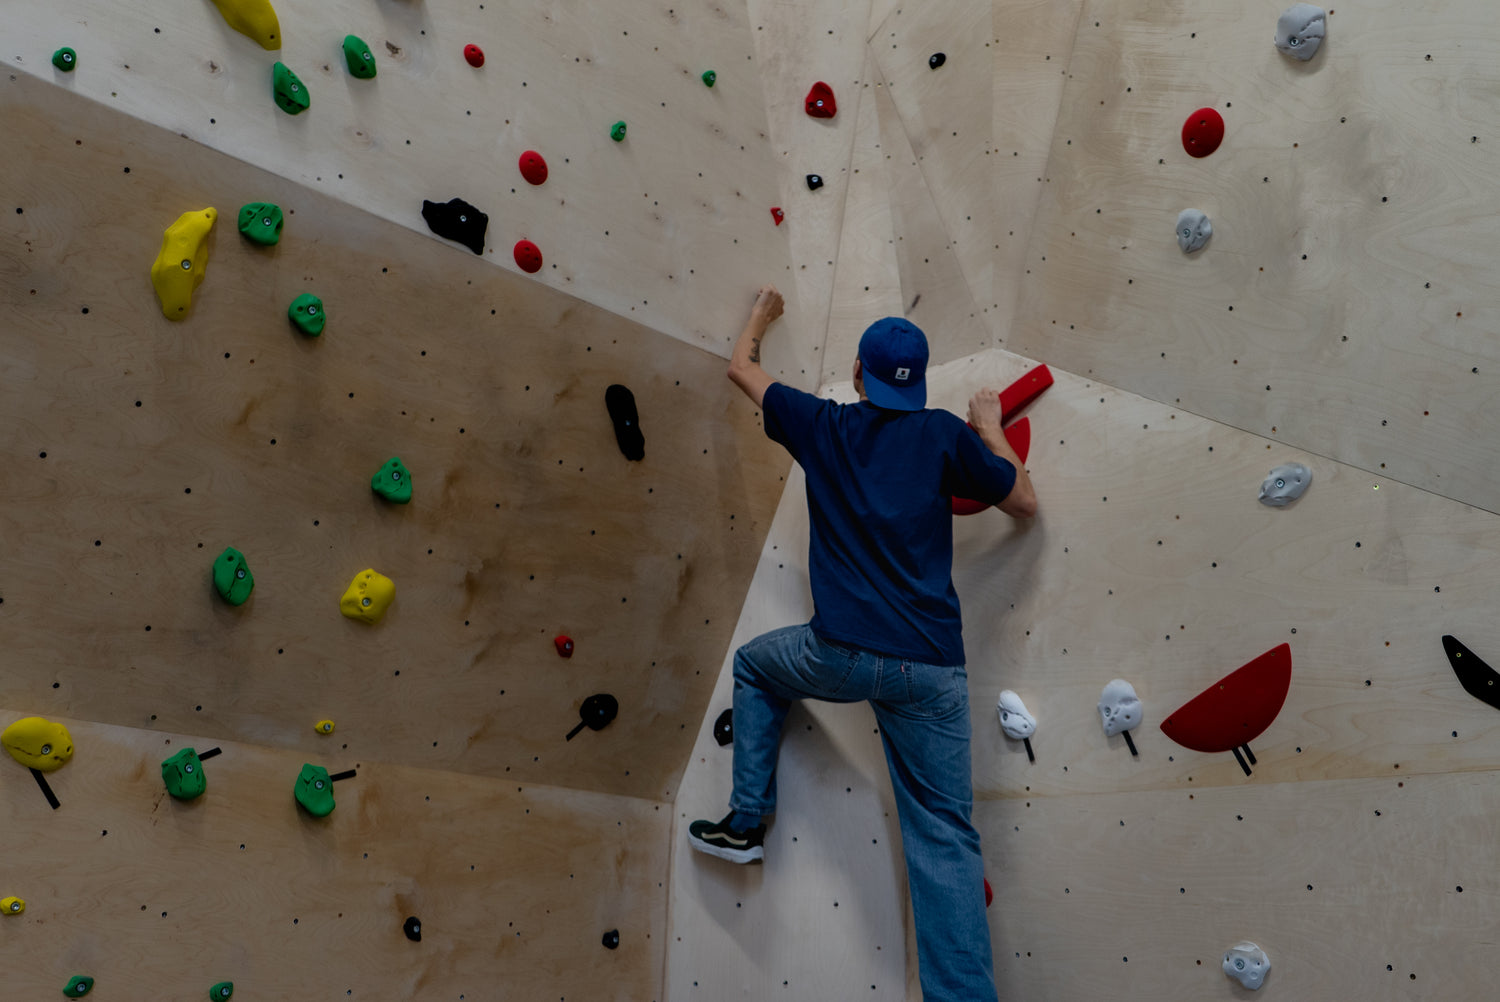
1285 484
1119 707
1193 230
1015 720
1300 31
1248 964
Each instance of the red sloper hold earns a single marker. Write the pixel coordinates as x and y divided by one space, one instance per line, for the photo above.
474 55
564 644
820 102
1202 132
1237 709
777 215
533 167
528 257
1019 437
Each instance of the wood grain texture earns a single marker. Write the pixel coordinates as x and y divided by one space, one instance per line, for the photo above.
166 442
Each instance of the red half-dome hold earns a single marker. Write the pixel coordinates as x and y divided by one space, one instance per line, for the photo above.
473 55
1202 132
1235 710
528 257
820 102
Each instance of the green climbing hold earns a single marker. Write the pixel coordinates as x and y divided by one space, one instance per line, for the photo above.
357 55
392 481
307 313
221 991
314 790
617 132
710 77
261 222
65 59
183 774
289 90
232 577
78 986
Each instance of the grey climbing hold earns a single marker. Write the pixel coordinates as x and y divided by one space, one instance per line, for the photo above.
1119 707
1285 485
1248 964
1015 720
1300 31
1193 230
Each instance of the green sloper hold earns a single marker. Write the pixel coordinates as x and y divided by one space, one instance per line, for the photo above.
314 790
261 222
183 774
307 313
232 578
65 59
357 55
710 77
79 985
392 481
221 991
617 132
289 90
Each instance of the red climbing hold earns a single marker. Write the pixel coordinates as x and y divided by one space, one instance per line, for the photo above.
533 167
1202 132
564 645
474 55
777 215
1237 709
820 102
1019 437
989 895
528 257
1013 399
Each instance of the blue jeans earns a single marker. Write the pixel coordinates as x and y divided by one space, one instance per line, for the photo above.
923 713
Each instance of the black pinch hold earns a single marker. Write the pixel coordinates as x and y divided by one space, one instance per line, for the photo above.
41 781
814 182
935 60
621 405
413 929
612 939
724 728
346 774
596 713
457 220
1478 679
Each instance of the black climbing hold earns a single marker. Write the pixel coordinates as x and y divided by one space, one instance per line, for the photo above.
612 939
724 728
814 182
457 220
936 59
413 929
621 404
596 713
1478 679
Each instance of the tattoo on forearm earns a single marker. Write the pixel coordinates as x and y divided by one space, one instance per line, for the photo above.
755 350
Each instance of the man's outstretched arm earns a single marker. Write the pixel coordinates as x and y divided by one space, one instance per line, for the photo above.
744 364
985 416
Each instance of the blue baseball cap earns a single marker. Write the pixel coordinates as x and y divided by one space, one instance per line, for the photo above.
893 355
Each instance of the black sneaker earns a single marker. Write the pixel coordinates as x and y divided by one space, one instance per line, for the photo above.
718 839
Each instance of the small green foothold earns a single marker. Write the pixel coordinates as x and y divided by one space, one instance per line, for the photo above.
78 986
221 991
314 790
232 577
307 313
392 481
710 77
65 59
617 132
261 222
289 90
357 55
183 774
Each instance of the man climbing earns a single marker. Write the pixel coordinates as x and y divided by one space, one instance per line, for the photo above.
886 628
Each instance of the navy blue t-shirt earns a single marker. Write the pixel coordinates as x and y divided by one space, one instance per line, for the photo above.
879 484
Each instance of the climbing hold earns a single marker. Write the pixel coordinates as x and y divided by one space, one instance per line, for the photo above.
612 939
307 315
777 214
621 405
1285 484
314 790
392 481
1013 399
457 220
324 727
533 167
596 713
1248 964
528 256
183 774
819 102
232 578
1300 31
473 55
78 986
65 59
289 91
261 222
1119 707
221 991
617 132
1015 720
413 929
358 57
564 645
814 182
989 893
1193 230
182 261
1202 132
935 60
1478 679
724 728
1235 710
38 744
255 19
12 906
368 596
710 77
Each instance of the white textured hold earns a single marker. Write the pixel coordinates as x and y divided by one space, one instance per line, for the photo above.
1285 485
1015 720
1119 707
1300 30
1248 964
1193 230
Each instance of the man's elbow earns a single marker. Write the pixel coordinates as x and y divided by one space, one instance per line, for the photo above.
1021 503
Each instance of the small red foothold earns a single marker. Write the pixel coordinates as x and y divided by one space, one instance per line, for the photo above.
533 167
474 55
564 645
1202 132
528 259
820 102
989 895
777 215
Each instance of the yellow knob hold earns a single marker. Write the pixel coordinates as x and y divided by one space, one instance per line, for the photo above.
38 744
368 596
12 906
255 19
180 266
324 727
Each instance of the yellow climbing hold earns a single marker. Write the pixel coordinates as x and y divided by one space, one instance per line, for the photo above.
180 266
253 18
12 906
369 595
324 727
38 744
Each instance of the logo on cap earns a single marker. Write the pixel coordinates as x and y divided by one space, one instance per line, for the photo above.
903 373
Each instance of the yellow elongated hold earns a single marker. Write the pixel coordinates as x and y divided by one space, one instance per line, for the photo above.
180 266
369 595
38 744
324 727
12 906
254 19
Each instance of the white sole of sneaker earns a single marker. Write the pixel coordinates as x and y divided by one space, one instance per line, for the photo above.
752 855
